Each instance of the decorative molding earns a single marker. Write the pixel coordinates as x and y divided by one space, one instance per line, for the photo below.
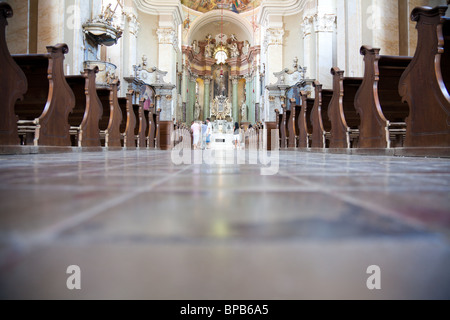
162 7
167 36
274 36
307 25
133 23
325 23
280 8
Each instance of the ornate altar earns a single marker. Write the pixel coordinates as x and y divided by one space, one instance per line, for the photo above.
221 108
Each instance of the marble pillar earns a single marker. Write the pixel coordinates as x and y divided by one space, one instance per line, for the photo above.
207 107
235 113
324 28
191 101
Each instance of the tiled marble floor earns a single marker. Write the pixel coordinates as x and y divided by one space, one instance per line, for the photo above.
141 227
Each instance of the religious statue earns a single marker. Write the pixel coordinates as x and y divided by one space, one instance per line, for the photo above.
108 14
197 109
233 38
195 47
208 53
209 38
246 47
295 64
243 111
234 50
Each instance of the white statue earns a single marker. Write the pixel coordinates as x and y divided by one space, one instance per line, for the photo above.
195 47
197 110
295 64
234 50
233 38
246 47
208 51
243 111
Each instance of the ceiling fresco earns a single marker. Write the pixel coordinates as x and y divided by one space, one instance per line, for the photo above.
237 6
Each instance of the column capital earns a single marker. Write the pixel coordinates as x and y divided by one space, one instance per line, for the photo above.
325 22
274 36
207 79
235 80
167 36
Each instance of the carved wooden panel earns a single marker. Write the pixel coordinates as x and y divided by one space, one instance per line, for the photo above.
113 135
88 109
377 100
129 136
318 132
422 85
302 125
13 84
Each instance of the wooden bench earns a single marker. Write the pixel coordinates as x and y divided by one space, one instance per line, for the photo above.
425 83
44 111
281 126
321 126
84 118
141 129
13 84
112 115
153 128
304 129
378 103
291 125
129 136
128 125
341 111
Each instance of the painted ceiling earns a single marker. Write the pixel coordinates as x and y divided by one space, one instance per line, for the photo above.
237 6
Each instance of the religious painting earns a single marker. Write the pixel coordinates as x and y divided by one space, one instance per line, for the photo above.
237 6
221 83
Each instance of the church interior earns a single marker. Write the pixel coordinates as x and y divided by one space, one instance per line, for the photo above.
322 169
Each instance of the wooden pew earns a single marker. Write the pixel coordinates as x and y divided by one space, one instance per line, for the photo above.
141 129
128 125
377 101
45 108
281 126
321 126
425 83
291 124
153 128
84 118
129 137
112 115
303 127
341 111
13 84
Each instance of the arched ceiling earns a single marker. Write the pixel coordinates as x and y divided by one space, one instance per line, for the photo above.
237 6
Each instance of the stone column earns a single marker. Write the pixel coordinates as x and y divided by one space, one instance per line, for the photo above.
207 107
274 45
235 113
324 28
307 26
247 95
184 81
167 57
251 108
191 100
